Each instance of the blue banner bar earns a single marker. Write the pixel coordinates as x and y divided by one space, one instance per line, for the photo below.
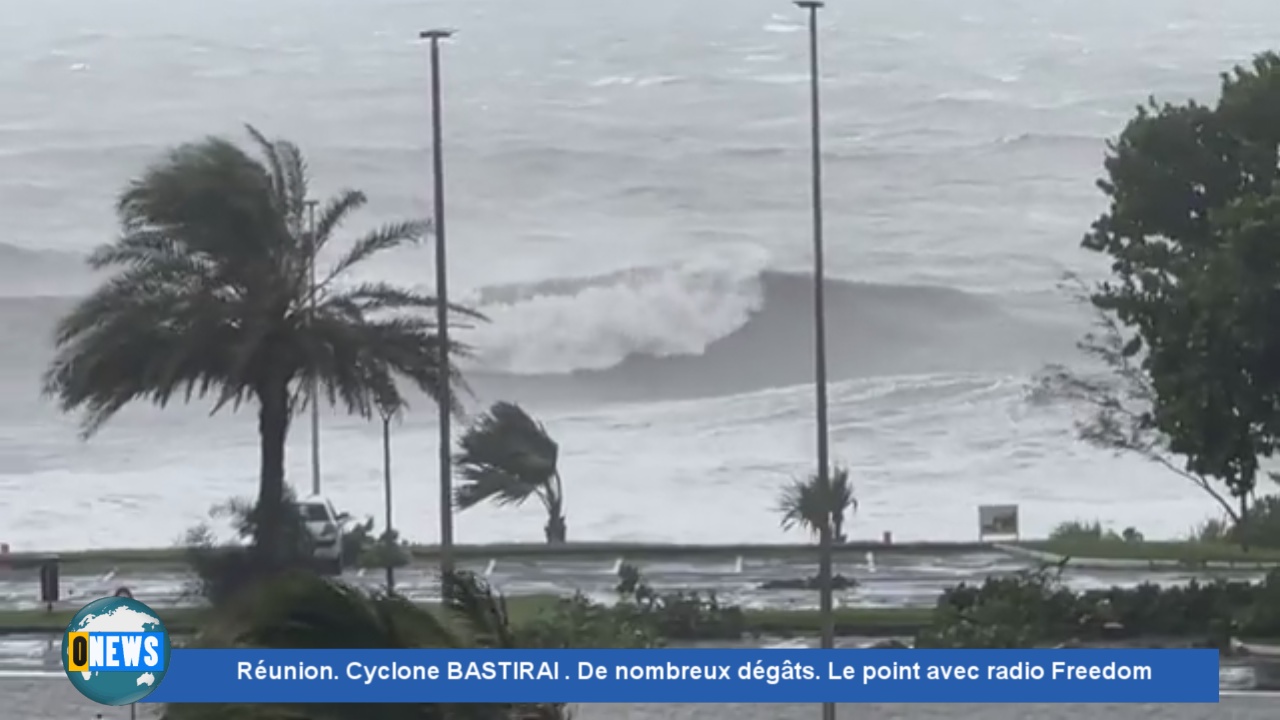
690 676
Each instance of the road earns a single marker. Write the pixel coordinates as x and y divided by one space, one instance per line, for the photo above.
889 580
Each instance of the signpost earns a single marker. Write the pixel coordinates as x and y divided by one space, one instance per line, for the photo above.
998 522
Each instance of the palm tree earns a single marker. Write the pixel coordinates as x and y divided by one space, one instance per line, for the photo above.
508 457
305 611
212 295
810 505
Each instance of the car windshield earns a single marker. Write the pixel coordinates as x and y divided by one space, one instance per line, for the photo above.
314 512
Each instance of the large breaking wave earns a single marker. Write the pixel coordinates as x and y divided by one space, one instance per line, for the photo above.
685 331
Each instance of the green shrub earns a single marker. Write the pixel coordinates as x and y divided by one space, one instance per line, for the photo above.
361 548
1034 608
640 618
1212 531
223 572
1078 531
679 615
1260 528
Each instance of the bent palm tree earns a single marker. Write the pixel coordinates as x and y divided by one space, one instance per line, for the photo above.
809 504
507 457
212 295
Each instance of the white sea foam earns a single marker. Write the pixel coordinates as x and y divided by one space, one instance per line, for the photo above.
668 310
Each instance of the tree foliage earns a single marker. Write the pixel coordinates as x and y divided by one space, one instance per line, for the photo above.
304 611
507 457
1193 235
811 504
210 294
1119 400
1034 608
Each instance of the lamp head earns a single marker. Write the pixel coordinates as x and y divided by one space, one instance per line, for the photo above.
437 34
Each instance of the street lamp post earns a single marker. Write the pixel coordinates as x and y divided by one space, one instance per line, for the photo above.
445 399
820 339
314 382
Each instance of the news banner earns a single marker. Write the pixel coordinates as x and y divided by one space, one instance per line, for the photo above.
689 676
116 651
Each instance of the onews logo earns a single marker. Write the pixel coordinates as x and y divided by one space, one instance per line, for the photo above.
115 651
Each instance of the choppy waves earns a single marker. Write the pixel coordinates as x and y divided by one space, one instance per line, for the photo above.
713 327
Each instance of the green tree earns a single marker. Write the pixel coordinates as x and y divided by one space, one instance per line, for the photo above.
303 611
1119 399
508 457
809 504
211 295
1191 233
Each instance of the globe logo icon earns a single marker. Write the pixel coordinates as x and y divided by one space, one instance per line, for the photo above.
115 651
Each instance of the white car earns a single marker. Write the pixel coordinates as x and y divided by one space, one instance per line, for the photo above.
325 527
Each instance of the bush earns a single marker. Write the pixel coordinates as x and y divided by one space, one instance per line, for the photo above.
1034 608
361 548
679 615
641 618
1092 532
225 571
1261 528
1212 531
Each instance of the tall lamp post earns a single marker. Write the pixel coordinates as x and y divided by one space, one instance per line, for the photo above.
820 340
445 399
314 383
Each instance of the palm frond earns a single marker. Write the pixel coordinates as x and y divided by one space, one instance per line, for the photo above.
270 153
294 166
487 483
335 212
375 241
505 456
143 247
132 340
358 360
810 504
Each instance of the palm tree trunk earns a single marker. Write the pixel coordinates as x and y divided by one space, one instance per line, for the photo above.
556 529
273 427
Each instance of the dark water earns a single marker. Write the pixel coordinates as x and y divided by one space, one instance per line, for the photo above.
54 699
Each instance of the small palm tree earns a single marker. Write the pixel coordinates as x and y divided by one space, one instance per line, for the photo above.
213 294
508 457
810 505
